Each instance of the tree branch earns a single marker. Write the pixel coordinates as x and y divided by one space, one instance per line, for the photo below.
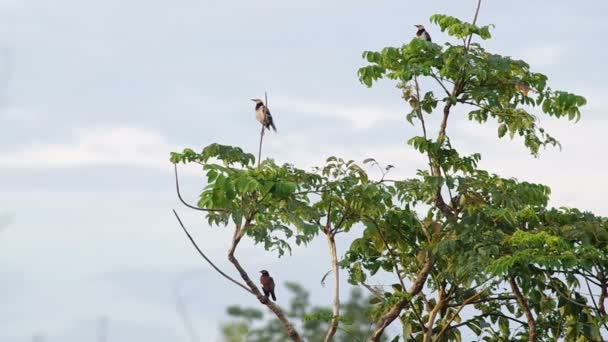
376 293
523 305
488 299
439 202
395 262
388 318
260 146
465 303
486 314
205 257
262 131
236 238
428 333
603 293
595 304
474 22
179 195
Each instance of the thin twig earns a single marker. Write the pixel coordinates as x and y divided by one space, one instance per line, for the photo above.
395 262
465 303
447 92
180 306
376 293
205 257
262 131
474 22
179 195
487 314
260 146
417 286
595 304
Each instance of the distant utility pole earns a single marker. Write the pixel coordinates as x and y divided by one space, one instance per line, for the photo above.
102 329
38 338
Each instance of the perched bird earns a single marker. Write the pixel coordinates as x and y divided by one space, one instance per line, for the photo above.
262 114
267 284
422 34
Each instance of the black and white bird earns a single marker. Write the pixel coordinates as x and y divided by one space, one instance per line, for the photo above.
422 34
262 114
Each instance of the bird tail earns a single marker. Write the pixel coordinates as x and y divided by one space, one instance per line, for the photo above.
273 126
274 298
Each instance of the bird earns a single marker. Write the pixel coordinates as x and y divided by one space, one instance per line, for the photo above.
422 34
262 114
267 284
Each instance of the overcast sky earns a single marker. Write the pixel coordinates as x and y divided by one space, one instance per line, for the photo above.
94 94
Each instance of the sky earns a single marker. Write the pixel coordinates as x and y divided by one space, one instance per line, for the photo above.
94 94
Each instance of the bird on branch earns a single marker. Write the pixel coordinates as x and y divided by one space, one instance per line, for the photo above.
422 34
267 284
262 114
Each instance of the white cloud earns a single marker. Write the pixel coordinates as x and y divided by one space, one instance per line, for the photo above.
359 116
94 146
19 114
543 55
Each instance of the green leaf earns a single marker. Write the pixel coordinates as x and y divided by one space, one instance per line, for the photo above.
502 130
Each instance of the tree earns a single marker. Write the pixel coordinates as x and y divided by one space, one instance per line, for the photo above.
248 324
470 250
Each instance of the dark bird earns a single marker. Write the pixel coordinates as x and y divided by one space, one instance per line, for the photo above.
267 284
262 114
422 34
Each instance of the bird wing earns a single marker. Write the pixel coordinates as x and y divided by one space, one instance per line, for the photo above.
267 282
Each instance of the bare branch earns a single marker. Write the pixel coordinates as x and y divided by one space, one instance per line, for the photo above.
205 257
474 22
447 92
262 131
179 195
238 234
260 146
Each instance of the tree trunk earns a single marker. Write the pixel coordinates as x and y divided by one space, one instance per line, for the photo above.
333 325
523 305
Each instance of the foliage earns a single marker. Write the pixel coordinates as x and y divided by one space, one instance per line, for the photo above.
454 236
249 324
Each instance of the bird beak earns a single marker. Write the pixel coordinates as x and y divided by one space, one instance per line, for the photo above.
253 100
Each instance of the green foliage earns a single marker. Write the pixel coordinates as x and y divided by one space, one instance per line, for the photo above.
249 324
463 234
486 84
459 29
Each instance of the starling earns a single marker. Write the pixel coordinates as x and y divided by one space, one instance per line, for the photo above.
262 114
267 284
422 34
